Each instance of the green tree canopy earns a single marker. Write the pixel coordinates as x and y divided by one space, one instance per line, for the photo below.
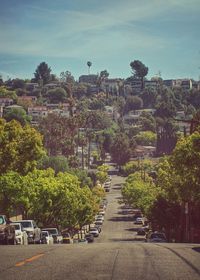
133 103
139 70
20 147
146 138
4 92
42 73
57 95
18 114
120 149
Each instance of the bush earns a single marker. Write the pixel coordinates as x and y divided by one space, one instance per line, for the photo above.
129 168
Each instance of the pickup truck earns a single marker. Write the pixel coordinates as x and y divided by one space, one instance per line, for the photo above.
57 237
32 230
7 231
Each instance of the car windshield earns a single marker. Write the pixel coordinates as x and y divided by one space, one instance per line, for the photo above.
158 235
44 233
66 235
53 231
17 227
1 220
26 224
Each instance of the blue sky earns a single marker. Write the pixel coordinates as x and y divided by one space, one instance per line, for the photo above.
163 34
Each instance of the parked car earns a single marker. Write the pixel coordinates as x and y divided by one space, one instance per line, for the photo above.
139 221
98 222
102 212
46 237
67 239
7 231
99 217
32 230
141 232
89 237
21 236
156 237
107 189
94 232
57 237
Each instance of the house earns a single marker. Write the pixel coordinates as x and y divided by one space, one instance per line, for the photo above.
28 99
89 79
5 101
135 84
151 84
8 108
51 86
111 85
186 84
37 112
31 86
169 83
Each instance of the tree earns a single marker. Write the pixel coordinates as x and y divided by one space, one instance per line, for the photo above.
120 150
89 64
18 114
4 92
42 73
139 71
146 138
67 77
57 95
139 193
57 163
165 104
147 121
18 84
133 103
50 199
104 74
148 96
20 147
59 134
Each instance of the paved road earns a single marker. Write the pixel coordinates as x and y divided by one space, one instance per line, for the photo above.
114 255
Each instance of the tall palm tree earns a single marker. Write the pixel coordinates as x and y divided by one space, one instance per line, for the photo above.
89 64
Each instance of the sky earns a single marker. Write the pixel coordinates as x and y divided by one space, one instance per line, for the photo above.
163 34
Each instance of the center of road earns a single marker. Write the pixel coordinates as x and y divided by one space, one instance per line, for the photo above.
29 260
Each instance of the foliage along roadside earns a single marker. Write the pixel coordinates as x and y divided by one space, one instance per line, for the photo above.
49 198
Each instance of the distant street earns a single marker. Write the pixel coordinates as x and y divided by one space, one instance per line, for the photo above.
116 254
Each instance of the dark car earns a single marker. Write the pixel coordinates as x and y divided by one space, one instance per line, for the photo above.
89 237
156 237
7 231
141 232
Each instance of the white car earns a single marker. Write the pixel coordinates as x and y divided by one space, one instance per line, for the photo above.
46 237
57 237
99 222
99 217
102 212
139 221
20 234
94 231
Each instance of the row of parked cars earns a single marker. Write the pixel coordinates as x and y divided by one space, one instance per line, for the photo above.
96 227
25 232
145 231
107 184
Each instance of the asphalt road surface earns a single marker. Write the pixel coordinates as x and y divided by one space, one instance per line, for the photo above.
116 254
